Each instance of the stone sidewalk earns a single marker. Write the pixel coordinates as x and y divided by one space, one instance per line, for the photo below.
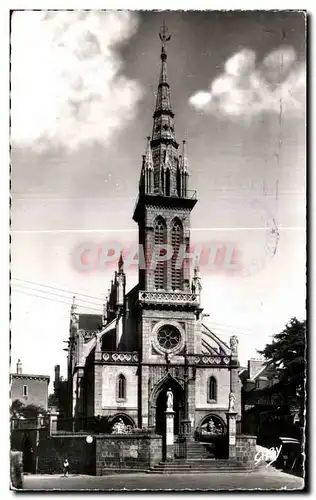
266 479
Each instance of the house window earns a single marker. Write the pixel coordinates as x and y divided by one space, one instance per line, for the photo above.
121 387
212 389
25 391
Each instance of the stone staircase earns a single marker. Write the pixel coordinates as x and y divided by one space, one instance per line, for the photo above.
197 450
200 459
193 466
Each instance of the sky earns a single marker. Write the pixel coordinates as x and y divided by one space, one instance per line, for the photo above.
83 90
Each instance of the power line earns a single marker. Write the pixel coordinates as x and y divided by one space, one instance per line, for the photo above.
55 300
232 327
53 293
55 288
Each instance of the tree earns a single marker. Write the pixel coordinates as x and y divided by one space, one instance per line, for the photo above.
52 400
18 409
287 354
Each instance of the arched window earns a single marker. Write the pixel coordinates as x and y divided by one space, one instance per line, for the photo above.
161 267
212 389
121 387
176 241
163 181
178 181
168 182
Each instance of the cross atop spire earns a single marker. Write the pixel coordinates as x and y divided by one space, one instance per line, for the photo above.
164 33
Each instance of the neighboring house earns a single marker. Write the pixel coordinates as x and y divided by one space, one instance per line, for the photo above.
30 389
263 414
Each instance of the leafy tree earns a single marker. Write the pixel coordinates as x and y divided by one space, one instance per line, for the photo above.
287 354
18 409
52 400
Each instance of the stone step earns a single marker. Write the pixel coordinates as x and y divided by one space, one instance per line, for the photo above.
195 466
113 470
197 471
198 465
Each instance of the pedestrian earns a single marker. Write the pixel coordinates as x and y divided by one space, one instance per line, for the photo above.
66 467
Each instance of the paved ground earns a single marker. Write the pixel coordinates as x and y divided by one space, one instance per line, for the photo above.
268 479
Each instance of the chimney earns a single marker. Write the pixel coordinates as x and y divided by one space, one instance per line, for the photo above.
254 366
19 367
57 373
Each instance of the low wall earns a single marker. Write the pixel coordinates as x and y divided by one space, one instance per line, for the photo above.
105 453
53 450
246 449
127 452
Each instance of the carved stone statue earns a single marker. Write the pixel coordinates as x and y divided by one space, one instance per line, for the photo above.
232 399
211 427
119 427
98 342
169 399
234 345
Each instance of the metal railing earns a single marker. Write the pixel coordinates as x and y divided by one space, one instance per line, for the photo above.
190 194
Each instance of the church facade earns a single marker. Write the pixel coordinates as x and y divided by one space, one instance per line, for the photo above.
151 339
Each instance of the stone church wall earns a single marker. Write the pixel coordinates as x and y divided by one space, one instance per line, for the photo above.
222 376
110 402
186 321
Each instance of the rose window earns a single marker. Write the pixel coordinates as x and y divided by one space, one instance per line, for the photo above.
168 337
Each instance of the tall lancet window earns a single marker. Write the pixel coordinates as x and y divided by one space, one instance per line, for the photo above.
168 182
121 387
212 389
163 181
176 241
161 267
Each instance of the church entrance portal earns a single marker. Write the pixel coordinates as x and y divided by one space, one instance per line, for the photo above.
178 406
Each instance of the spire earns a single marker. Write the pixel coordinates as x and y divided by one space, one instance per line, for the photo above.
164 37
73 305
163 115
121 264
148 156
196 268
184 159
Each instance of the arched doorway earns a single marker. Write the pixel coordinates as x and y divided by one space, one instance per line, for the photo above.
213 431
28 458
161 398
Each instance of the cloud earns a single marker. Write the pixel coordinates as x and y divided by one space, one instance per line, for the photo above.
245 89
67 86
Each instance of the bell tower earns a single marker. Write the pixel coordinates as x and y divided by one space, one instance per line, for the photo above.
169 312
164 203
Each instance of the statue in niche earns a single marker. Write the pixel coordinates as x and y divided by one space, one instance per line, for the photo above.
169 399
232 399
234 345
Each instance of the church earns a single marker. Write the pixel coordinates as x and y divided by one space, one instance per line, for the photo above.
151 340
